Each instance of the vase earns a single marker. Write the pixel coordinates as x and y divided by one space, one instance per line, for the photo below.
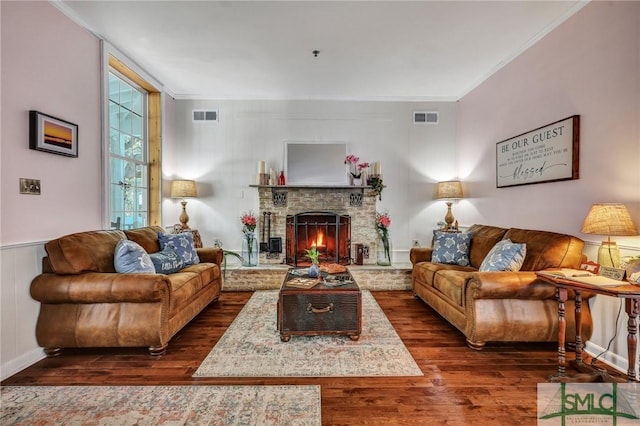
314 270
249 249
357 182
384 250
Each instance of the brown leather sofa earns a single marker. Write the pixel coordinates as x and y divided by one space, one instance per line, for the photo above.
84 302
502 306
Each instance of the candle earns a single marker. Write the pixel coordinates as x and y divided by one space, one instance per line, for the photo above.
262 166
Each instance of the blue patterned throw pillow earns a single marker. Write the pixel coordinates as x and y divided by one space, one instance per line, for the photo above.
166 261
504 256
130 257
451 248
182 244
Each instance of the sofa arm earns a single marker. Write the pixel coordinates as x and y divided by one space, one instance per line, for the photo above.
95 287
509 285
420 254
211 255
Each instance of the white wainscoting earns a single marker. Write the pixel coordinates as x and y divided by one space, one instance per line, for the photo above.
19 264
604 311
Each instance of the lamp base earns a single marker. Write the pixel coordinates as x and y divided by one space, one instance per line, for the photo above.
184 217
609 254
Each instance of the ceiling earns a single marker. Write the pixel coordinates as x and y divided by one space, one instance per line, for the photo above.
368 50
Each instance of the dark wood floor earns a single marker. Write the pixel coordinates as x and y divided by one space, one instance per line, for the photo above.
459 386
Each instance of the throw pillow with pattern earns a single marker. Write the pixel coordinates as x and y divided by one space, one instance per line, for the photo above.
504 256
130 257
183 245
167 261
451 248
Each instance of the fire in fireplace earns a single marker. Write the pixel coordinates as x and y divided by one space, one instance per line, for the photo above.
328 232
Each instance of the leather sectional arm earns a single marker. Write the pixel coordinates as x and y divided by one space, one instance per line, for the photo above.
211 255
420 254
95 287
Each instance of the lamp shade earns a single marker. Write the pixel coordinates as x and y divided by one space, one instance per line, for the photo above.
183 189
450 189
609 219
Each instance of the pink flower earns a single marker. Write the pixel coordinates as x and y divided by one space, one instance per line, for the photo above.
249 222
351 159
363 166
383 221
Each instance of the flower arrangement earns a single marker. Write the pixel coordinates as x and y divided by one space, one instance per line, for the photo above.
383 222
377 186
249 222
355 168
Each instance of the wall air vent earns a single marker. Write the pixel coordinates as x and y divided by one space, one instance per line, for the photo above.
204 115
425 117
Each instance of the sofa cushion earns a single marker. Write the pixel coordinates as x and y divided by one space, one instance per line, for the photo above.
90 251
130 257
451 248
183 245
504 256
451 284
147 237
166 261
547 249
484 238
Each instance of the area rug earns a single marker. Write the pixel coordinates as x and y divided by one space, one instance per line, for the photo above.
160 405
251 347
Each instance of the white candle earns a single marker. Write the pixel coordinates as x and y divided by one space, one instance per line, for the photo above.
262 166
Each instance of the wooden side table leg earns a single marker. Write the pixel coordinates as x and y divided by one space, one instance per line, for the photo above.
561 295
632 306
578 319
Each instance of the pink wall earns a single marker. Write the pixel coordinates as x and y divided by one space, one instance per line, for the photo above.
590 66
51 65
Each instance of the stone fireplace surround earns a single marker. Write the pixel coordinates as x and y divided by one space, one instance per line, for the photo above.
357 202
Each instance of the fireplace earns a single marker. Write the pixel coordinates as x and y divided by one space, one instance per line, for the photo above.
328 232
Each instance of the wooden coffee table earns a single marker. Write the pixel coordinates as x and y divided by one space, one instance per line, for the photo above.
320 310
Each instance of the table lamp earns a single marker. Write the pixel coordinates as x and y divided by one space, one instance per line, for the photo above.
183 189
450 190
609 219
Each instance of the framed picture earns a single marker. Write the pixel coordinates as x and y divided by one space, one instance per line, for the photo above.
51 134
547 154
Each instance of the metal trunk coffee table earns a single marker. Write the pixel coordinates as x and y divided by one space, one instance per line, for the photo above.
329 306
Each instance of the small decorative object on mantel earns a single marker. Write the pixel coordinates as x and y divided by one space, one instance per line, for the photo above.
356 170
383 221
249 242
376 184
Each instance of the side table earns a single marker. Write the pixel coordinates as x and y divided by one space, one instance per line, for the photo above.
631 295
197 240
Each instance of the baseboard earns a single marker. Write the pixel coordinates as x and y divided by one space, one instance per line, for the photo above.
18 364
611 359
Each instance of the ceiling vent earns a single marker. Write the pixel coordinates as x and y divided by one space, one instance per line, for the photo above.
425 117
202 115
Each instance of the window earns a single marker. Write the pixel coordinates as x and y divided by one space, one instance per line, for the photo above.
128 154
132 148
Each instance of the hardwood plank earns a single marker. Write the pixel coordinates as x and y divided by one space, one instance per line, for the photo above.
459 387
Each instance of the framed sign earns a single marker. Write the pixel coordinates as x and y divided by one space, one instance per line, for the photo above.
50 134
547 154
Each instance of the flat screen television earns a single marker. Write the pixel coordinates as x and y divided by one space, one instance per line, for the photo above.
315 163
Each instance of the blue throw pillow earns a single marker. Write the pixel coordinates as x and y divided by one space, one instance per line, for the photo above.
183 245
167 261
130 257
504 256
451 248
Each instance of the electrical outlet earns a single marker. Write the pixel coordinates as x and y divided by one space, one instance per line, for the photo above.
365 251
415 243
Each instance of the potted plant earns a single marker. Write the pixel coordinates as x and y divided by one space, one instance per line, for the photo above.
314 269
